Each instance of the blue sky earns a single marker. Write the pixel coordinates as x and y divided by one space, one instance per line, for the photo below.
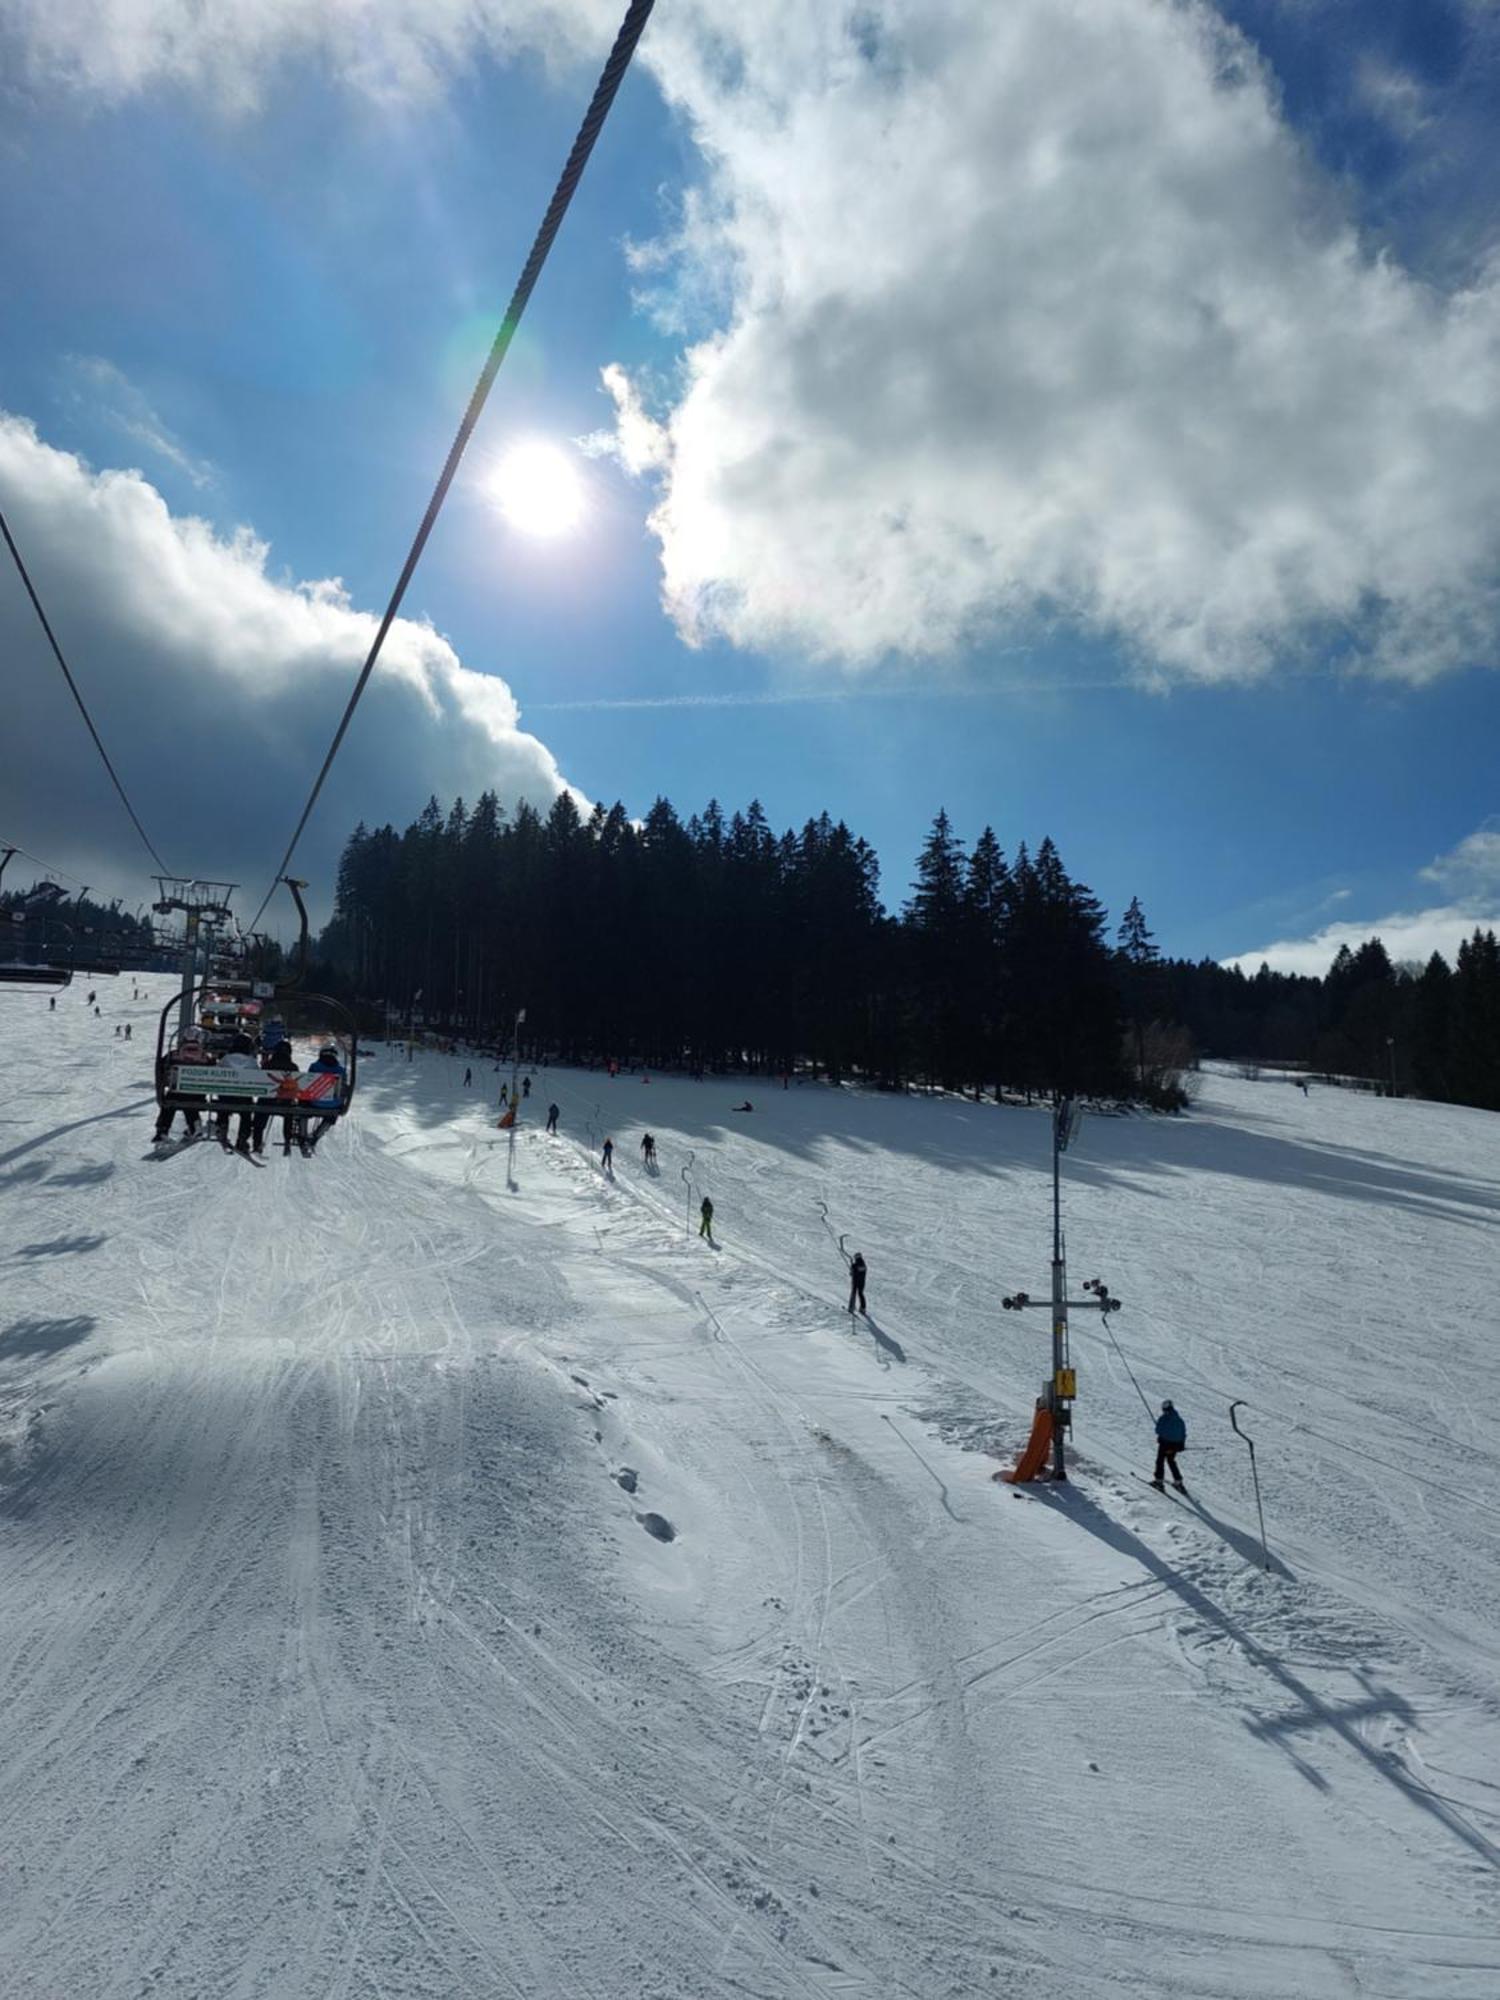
946 516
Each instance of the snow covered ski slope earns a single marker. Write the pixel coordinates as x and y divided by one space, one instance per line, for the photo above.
416 1585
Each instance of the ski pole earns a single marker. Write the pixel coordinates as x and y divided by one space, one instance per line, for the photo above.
687 1215
1260 1511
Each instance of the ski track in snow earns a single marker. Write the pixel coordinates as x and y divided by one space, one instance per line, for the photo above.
418 1584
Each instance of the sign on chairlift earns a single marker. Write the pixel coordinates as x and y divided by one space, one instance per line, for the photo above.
207 1080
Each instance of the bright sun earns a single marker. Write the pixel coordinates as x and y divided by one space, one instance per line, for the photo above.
537 489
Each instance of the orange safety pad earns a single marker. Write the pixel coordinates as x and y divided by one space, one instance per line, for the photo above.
1034 1457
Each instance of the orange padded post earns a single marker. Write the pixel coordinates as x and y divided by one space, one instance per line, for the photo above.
1034 1457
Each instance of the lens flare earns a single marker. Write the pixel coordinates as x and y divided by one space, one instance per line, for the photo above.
537 488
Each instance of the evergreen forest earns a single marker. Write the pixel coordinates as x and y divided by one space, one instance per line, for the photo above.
717 944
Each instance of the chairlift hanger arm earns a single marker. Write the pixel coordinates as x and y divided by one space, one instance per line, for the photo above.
297 885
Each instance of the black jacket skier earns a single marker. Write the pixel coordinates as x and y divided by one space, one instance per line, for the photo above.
1171 1436
856 1283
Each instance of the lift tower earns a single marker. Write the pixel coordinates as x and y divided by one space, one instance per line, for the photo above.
204 906
1061 1388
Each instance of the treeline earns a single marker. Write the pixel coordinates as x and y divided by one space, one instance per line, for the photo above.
721 945
1428 1030
718 944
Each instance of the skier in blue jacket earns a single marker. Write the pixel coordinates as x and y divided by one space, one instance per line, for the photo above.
1171 1436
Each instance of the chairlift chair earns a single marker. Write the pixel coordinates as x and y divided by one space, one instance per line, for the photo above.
39 978
190 1075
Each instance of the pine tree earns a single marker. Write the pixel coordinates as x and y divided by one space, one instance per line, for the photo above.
936 918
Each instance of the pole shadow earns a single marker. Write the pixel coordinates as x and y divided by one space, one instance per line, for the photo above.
61 1131
1246 1546
1312 1711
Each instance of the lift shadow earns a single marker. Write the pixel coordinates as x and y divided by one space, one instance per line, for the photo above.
1312 1711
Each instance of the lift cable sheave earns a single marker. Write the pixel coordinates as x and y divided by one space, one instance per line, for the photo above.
593 122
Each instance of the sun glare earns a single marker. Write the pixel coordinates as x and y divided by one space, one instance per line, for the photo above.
537 489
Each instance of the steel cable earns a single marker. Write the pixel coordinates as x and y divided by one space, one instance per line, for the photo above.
57 653
604 95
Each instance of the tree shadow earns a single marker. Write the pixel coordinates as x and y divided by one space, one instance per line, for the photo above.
60 1246
30 1170
1152 1154
26 1338
1312 1711
89 1176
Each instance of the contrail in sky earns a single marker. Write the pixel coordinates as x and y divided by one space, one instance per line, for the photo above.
773 698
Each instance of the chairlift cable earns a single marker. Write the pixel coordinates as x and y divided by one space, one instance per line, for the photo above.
583 145
36 604
13 848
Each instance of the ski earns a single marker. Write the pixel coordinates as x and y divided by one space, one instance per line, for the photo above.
1169 1488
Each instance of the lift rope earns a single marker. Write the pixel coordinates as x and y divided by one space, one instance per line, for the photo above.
57 653
1127 1367
604 96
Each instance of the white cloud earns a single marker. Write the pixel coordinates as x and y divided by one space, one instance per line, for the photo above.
1406 934
387 48
216 690
1041 311
635 440
1000 316
1393 96
1471 873
1473 866
130 411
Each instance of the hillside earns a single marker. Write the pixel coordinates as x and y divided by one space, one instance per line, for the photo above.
343 1652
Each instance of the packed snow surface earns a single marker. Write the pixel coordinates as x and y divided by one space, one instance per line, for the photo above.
429 1569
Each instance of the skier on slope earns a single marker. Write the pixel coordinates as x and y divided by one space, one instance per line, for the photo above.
857 1281
609 1156
1171 1436
552 1116
706 1222
648 1150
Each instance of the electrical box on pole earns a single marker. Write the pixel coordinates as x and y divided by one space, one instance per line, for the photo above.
1061 1387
